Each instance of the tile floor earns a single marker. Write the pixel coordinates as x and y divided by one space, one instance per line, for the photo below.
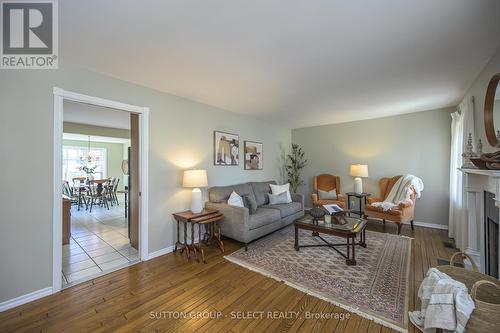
99 242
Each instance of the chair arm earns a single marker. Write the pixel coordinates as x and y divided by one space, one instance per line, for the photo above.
340 197
298 198
374 199
405 204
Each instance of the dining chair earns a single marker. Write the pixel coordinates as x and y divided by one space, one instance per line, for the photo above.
115 188
109 190
79 189
98 194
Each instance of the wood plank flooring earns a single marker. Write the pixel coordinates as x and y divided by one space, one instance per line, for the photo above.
149 296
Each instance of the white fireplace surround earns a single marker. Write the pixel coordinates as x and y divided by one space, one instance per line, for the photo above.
476 182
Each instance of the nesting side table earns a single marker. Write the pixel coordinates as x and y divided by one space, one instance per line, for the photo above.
208 219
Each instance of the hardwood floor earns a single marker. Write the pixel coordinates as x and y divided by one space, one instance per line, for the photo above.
144 297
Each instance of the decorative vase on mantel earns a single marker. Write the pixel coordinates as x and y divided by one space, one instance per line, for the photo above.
468 154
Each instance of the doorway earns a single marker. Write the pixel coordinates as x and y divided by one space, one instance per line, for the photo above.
107 223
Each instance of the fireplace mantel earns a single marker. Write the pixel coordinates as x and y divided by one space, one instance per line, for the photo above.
490 181
476 182
491 173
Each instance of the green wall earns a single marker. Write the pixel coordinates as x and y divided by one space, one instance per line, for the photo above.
114 156
416 143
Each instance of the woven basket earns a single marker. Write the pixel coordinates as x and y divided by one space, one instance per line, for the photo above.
484 290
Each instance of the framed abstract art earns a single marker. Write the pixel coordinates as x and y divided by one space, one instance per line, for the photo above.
253 155
226 148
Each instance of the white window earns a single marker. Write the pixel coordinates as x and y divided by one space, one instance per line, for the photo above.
74 159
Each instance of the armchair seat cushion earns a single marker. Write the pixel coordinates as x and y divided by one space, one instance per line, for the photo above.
318 203
396 211
262 217
286 209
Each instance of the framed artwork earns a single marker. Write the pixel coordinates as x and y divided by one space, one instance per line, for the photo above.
253 155
226 148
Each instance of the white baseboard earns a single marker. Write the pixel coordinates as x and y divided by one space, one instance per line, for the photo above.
161 252
12 303
429 225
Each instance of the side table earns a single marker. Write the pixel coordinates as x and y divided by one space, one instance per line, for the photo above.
207 219
361 197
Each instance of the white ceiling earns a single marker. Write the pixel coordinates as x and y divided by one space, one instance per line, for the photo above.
302 62
95 115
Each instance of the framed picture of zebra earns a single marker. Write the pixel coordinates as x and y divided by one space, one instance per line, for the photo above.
226 148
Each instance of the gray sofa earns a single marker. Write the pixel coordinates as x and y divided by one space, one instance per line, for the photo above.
238 224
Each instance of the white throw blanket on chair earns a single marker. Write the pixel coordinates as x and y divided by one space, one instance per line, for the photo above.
446 304
401 192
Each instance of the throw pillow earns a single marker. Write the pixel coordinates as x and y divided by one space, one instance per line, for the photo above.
250 203
235 200
277 189
275 199
327 194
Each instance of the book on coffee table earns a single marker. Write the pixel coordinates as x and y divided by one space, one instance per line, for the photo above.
333 209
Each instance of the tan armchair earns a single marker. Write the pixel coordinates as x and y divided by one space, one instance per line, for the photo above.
327 182
399 215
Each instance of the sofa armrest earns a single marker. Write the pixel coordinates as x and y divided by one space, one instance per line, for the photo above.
235 223
232 214
340 197
374 199
298 198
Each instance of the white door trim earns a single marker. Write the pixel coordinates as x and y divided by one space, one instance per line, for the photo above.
60 95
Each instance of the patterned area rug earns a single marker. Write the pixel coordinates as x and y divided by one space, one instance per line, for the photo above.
376 288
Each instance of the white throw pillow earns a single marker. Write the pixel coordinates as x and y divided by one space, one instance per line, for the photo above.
278 189
235 200
327 194
276 199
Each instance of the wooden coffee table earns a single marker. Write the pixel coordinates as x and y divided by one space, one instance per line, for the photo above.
350 230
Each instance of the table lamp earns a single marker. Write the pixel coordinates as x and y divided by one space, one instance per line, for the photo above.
358 171
195 179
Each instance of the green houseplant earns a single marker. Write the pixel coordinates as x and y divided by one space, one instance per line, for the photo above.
295 163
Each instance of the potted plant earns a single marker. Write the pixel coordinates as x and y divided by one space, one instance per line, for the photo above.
295 163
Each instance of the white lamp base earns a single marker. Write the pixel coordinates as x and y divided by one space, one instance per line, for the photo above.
196 201
358 185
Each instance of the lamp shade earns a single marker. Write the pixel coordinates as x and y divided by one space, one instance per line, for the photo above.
195 178
358 170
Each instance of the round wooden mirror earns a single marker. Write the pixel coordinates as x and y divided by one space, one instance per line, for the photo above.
492 111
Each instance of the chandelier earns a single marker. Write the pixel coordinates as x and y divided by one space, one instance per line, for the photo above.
88 161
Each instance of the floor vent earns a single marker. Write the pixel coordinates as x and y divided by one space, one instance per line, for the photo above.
449 245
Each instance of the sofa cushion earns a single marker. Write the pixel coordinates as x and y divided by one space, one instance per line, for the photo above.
286 209
250 203
235 200
219 194
263 216
260 189
244 190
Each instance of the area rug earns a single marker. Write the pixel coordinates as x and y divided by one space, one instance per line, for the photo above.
375 288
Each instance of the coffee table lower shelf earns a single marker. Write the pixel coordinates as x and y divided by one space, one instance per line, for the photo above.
350 237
